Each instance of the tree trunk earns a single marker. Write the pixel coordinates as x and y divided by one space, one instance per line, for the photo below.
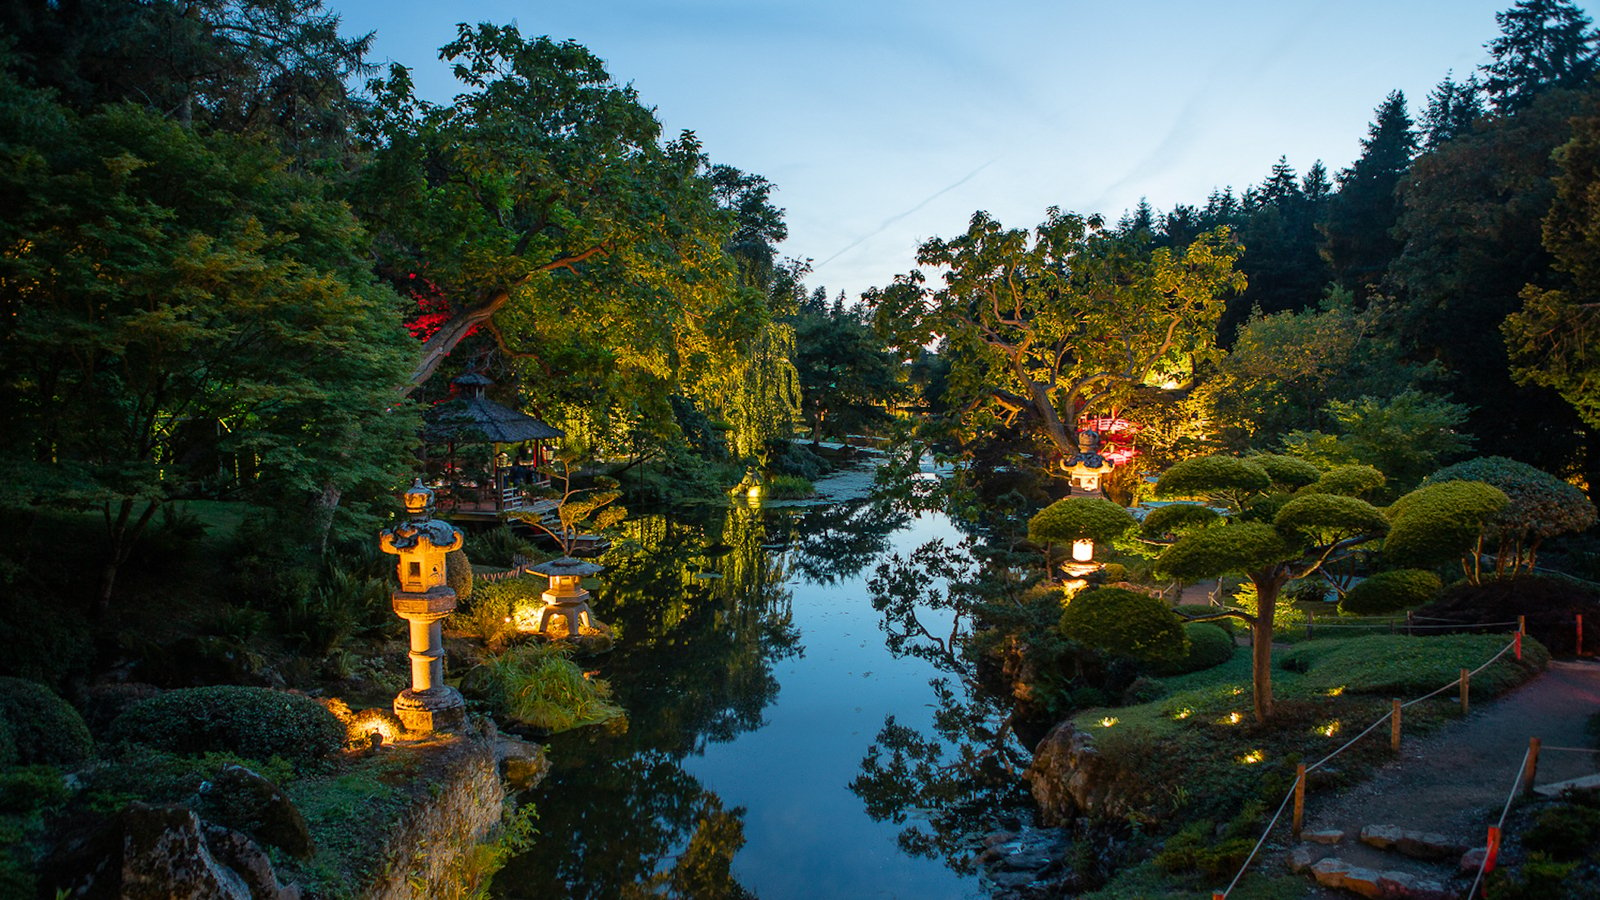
447 337
1261 644
323 506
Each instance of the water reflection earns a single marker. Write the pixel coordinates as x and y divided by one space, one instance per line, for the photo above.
738 738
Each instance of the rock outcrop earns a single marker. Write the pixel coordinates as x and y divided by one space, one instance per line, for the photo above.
1070 777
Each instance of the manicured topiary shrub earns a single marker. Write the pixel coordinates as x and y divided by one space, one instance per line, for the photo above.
1125 623
44 728
1177 518
1348 481
1210 645
1391 591
1200 475
1080 518
257 723
1289 471
1436 523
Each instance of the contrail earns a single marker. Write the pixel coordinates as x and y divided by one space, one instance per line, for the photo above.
895 218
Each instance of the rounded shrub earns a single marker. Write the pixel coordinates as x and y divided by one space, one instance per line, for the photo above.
1391 591
1210 645
258 723
1125 623
44 728
1080 518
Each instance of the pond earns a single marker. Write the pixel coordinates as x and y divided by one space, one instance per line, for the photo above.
756 678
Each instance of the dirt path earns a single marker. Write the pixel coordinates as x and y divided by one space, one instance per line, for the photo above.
1455 781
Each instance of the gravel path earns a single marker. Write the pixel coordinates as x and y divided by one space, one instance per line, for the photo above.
1455 781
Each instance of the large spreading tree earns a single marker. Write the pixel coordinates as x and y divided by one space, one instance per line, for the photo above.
1046 325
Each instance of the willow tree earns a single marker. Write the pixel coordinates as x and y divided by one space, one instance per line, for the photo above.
1061 321
1262 532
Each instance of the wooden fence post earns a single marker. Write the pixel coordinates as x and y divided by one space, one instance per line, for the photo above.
1518 641
1522 624
1466 681
1299 799
1533 765
1394 726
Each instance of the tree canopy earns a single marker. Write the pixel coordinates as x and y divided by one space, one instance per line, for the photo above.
1052 324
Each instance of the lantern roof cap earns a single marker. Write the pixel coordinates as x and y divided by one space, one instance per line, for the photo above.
566 565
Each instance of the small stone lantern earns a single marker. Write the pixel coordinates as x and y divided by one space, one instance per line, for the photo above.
424 598
566 599
1088 466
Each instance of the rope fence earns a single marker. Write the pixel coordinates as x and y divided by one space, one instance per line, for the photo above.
1527 773
1296 792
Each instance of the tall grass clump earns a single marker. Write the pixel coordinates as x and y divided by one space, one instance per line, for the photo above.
538 686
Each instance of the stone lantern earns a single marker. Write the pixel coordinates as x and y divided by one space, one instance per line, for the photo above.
566 599
423 599
1086 468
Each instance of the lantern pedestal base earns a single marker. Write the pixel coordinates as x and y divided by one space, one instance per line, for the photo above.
435 709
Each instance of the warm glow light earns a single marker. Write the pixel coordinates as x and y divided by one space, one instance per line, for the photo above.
1108 721
1083 550
1232 718
1183 713
1335 691
1329 729
1251 758
1237 691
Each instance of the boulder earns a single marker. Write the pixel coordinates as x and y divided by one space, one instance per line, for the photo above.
1301 858
1070 777
1332 836
167 853
244 801
523 764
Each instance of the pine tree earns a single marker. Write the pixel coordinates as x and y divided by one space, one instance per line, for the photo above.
1357 241
1315 185
1542 44
1452 108
1280 186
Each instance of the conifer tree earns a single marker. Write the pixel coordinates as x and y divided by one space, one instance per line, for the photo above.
1357 239
1452 108
1542 44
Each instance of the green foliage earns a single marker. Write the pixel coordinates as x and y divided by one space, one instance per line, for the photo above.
1209 645
1539 506
1391 591
1284 368
258 723
1566 833
1213 477
1050 320
1350 480
1393 665
1404 436
496 546
235 340
1231 548
1286 617
1177 518
1080 518
1125 623
1436 523
1195 848
43 727
26 789
1193 610
537 685
495 606
789 487
1286 471
1326 518
847 376
458 573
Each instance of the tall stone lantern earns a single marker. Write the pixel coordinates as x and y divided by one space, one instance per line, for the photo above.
423 599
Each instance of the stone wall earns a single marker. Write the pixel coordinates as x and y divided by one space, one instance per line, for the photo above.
458 806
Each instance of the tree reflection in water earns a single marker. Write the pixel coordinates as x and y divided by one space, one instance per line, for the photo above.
699 633
956 785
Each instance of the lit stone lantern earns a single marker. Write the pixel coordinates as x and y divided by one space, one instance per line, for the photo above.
423 599
1088 466
566 599
1083 550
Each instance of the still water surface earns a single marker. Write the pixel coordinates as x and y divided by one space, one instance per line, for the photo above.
755 674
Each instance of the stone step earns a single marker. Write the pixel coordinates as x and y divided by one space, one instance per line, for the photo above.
1418 844
1556 789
